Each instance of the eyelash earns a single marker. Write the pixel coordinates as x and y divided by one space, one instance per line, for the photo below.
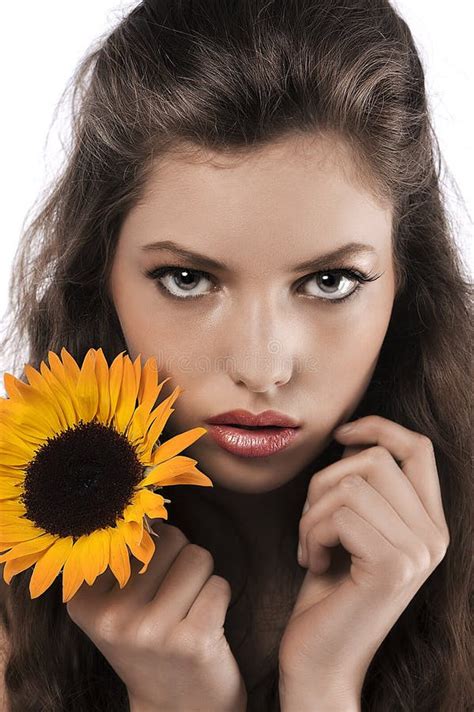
350 272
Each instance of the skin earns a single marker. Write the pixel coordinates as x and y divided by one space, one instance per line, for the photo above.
283 350
262 335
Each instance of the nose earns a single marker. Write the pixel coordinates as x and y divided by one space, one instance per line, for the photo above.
261 355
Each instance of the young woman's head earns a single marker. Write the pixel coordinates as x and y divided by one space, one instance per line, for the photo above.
267 323
262 135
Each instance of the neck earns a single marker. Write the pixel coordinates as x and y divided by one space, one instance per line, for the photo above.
259 521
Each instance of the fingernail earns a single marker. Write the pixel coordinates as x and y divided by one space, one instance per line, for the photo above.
300 553
306 507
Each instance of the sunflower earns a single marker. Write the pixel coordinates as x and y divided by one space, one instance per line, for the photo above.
77 458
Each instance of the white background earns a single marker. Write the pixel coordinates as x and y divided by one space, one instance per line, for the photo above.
43 41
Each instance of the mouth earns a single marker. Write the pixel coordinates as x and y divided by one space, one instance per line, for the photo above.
253 427
248 420
253 441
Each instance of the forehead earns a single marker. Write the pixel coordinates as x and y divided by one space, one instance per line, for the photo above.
295 194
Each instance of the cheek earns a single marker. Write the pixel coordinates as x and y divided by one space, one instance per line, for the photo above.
350 354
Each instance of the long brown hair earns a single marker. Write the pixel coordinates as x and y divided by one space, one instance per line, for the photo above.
233 76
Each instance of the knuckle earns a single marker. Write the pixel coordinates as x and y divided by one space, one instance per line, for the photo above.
350 481
220 583
439 550
446 537
425 443
423 559
401 570
108 625
339 515
71 609
378 455
178 536
200 555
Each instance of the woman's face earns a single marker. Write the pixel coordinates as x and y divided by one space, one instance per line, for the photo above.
258 330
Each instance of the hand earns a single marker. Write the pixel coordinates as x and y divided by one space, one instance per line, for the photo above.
163 633
381 507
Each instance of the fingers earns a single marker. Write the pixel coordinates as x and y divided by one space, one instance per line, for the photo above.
208 612
375 560
412 450
181 585
355 494
378 468
141 588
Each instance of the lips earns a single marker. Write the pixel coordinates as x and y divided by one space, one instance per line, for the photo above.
243 418
253 442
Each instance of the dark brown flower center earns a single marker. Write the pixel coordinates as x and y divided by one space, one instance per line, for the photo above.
81 480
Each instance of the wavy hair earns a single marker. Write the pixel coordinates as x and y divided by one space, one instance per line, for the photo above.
234 76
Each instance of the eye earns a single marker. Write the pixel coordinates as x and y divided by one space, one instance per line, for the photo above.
179 282
338 285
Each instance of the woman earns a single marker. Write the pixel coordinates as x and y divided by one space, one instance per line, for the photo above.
264 136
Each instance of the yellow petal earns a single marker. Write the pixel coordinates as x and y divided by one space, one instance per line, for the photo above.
127 396
149 387
39 544
178 470
115 381
67 377
39 409
101 546
57 369
62 396
153 504
137 428
158 418
9 488
14 533
42 386
12 506
15 473
16 566
13 459
73 575
102 376
143 551
49 566
15 445
87 392
137 369
23 416
132 532
142 419
95 555
133 512
33 438
177 443
10 383
71 369
119 557
149 378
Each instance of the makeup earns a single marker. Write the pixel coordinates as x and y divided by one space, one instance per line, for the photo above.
253 442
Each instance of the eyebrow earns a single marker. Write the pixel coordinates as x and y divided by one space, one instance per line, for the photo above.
351 249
